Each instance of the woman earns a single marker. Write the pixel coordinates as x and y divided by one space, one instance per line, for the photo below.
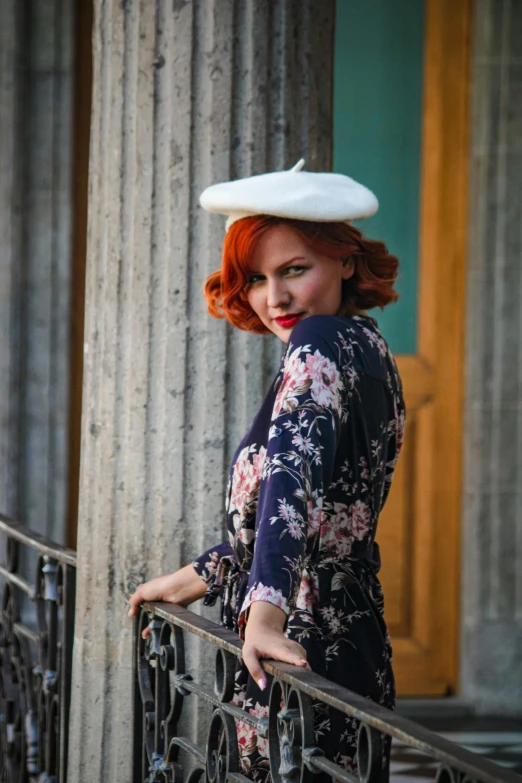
298 573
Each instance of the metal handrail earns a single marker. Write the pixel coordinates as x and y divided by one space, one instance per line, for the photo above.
39 543
36 665
35 657
156 751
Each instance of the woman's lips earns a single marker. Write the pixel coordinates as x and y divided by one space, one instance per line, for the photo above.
287 321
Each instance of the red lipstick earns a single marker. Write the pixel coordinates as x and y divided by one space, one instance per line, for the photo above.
287 321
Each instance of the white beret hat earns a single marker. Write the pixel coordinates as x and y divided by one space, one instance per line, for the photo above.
296 194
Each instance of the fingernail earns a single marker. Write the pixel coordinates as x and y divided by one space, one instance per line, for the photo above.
262 683
304 661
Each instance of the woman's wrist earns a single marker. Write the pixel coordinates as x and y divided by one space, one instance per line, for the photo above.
265 616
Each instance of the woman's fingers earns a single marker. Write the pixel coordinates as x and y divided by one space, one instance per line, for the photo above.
251 660
135 600
280 649
147 591
290 652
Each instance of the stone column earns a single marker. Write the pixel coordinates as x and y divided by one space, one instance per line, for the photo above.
10 250
36 64
184 94
492 513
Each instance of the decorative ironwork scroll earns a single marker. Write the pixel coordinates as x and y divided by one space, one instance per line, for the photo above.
36 636
162 683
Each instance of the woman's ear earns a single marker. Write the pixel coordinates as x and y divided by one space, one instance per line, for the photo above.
348 268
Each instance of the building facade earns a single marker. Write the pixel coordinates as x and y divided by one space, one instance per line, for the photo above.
101 283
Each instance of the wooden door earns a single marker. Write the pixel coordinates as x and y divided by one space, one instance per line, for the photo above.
401 127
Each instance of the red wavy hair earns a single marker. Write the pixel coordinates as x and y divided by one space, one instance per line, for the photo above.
370 286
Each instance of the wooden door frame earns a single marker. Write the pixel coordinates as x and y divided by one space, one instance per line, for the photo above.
80 177
438 367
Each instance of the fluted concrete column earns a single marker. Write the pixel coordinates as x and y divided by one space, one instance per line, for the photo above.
492 511
36 73
184 94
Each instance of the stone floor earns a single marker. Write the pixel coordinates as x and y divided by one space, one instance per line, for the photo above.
498 739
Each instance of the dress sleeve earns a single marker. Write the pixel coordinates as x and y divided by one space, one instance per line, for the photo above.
298 468
206 564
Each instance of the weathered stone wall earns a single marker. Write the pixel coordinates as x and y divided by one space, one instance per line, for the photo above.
184 94
36 72
492 509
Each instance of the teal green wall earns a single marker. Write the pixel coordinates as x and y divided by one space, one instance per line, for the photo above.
377 134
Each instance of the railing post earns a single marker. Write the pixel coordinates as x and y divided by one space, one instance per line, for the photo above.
67 596
137 740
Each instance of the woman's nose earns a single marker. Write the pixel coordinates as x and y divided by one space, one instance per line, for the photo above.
277 295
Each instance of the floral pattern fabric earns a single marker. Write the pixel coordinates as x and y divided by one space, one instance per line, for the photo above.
306 486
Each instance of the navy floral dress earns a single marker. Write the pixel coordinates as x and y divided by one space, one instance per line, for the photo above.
306 487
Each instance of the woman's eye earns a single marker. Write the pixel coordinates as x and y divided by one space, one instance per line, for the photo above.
294 270
254 279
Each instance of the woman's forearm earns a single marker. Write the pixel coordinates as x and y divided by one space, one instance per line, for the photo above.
185 586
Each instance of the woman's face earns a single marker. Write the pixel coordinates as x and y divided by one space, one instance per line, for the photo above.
290 281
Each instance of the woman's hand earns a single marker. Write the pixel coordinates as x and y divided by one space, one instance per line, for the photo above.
265 638
182 587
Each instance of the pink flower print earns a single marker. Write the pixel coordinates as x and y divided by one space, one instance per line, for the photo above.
382 347
326 534
246 477
341 521
315 514
248 738
246 741
361 515
294 528
343 542
262 742
210 566
302 443
399 432
242 480
328 613
365 473
308 595
349 764
351 376
246 536
337 533
258 462
294 377
326 381
286 511
375 339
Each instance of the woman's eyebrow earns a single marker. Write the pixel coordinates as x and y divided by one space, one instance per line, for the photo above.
282 265
291 261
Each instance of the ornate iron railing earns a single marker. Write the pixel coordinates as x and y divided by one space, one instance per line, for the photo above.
162 683
36 636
